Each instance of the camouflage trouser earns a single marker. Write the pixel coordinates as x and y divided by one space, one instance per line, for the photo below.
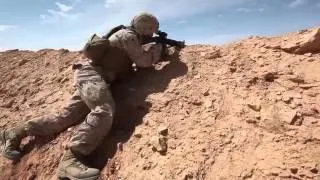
93 98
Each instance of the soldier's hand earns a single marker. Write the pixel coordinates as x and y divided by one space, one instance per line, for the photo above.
162 34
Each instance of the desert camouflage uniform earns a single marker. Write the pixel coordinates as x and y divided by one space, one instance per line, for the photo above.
93 97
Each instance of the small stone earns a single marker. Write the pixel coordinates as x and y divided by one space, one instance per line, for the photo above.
314 170
311 93
147 165
63 80
293 106
233 69
291 133
196 102
251 121
308 86
296 78
137 134
3 124
275 171
285 174
278 98
22 62
287 99
294 170
198 76
308 54
32 176
316 133
206 92
208 103
270 76
263 50
159 144
36 80
255 107
257 116
163 130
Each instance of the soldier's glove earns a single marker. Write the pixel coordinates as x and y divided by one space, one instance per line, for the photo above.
162 34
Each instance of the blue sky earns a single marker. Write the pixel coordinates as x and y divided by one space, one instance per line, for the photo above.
37 24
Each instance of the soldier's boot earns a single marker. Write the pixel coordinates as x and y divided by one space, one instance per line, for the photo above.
11 140
71 167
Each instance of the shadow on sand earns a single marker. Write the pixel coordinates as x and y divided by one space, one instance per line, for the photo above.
131 106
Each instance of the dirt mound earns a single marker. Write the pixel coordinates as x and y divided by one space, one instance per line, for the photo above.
246 110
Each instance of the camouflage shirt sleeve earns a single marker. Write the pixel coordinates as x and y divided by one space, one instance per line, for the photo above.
142 56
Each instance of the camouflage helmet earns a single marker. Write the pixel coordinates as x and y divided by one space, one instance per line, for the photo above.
145 24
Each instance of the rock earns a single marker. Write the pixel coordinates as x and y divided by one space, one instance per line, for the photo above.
3 124
293 106
308 86
159 144
294 170
316 133
308 54
273 46
252 81
202 54
314 170
163 130
275 171
12 50
63 51
206 92
147 165
32 176
308 43
22 62
296 78
277 113
286 99
36 80
137 133
288 115
251 121
258 116
311 59
255 107
63 80
233 69
7 104
270 76
196 102
198 76
208 103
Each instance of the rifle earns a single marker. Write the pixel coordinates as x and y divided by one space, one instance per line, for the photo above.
162 38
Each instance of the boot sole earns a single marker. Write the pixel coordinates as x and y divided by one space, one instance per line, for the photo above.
62 174
3 143
2 138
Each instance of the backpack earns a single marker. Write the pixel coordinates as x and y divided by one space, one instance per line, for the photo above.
96 46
